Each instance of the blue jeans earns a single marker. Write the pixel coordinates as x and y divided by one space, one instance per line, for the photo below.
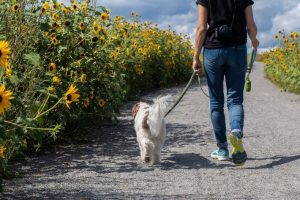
230 63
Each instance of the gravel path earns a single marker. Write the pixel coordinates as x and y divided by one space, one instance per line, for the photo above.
107 167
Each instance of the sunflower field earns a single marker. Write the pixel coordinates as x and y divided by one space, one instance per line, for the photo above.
282 64
60 63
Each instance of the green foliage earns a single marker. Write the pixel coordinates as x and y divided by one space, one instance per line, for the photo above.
282 65
69 62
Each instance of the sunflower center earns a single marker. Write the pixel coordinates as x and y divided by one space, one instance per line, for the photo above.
1 98
51 68
69 97
0 53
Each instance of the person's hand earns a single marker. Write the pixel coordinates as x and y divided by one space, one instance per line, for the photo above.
255 43
197 66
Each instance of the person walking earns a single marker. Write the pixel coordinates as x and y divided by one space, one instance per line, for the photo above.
225 55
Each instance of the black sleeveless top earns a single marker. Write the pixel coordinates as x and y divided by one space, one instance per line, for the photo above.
220 12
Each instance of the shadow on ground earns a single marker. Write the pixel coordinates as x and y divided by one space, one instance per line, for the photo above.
275 161
114 149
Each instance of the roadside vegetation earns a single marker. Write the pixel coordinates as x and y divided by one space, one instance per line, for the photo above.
60 64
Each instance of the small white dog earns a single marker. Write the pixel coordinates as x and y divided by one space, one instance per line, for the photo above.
150 127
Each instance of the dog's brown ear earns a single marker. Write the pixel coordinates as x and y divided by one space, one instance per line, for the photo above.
135 109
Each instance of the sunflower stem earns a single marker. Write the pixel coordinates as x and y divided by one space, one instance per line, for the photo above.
43 113
28 127
41 108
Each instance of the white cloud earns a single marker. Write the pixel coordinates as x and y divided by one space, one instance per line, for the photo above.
182 23
270 16
273 17
288 21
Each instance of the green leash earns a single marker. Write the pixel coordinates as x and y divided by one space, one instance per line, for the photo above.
182 94
249 68
185 90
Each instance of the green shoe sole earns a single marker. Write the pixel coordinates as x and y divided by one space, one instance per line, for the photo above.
239 155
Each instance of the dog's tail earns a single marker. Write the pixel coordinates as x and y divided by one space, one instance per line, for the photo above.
157 113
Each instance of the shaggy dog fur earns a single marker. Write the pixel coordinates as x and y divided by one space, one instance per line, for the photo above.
150 127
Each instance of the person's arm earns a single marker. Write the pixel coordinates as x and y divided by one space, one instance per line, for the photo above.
251 27
200 36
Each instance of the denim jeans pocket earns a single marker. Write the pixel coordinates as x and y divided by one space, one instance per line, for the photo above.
211 54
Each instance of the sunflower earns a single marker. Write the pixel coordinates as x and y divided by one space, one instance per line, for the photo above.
65 10
294 35
4 53
55 25
56 80
102 38
55 6
52 68
8 71
86 102
81 26
45 7
84 7
55 16
51 89
104 16
52 35
101 102
276 37
75 6
73 74
293 45
83 78
5 97
14 8
96 27
2 149
71 95
54 41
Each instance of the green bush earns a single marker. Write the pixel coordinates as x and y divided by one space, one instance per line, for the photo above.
59 64
282 65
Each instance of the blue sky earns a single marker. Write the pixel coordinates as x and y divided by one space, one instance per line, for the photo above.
270 15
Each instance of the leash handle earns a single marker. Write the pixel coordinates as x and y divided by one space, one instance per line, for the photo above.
249 68
252 59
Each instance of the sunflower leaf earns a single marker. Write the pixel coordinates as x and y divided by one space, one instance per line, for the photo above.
61 48
14 80
45 27
43 91
33 58
54 96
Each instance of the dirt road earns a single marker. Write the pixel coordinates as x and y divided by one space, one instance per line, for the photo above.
107 167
